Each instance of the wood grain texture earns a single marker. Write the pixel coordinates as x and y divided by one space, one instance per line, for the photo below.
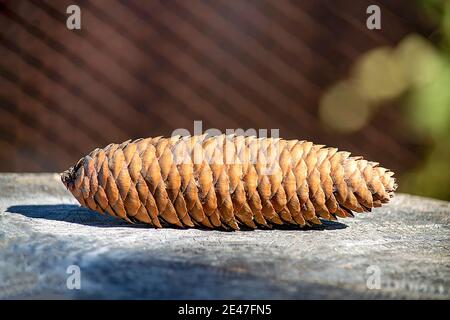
44 230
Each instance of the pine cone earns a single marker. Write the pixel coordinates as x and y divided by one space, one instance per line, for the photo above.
227 182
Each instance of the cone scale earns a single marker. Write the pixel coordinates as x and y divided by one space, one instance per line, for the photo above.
227 182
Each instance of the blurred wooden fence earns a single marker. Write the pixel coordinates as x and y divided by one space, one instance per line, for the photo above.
144 68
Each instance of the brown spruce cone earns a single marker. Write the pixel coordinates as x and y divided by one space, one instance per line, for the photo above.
227 182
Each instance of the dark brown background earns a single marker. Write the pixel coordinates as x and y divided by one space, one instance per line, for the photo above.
144 68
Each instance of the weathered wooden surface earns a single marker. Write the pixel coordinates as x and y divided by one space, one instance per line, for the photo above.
43 231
